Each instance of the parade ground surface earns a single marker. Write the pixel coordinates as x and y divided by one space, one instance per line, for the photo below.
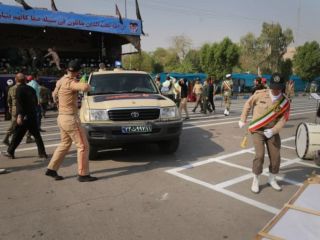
200 192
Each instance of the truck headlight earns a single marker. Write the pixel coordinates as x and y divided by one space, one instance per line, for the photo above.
98 115
169 113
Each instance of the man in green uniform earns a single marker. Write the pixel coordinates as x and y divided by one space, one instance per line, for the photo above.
12 110
270 113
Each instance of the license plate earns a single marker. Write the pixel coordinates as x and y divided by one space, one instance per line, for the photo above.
136 129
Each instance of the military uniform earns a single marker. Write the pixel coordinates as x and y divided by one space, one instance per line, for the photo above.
66 92
13 111
268 133
69 123
44 99
227 86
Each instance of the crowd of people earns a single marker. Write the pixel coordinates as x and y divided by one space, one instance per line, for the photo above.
27 103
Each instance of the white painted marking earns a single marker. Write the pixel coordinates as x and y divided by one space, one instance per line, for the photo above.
220 187
285 146
228 193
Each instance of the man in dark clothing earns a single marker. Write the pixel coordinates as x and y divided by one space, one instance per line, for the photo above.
26 107
205 97
211 94
184 97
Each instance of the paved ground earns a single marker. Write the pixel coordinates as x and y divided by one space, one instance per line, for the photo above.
201 192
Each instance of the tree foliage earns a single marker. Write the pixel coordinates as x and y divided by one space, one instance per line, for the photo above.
219 59
306 62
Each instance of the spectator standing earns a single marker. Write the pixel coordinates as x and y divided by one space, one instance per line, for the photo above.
167 88
27 103
197 90
184 97
211 94
66 92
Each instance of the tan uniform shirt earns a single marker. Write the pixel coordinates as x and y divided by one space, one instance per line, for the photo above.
66 94
260 102
227 85
198 88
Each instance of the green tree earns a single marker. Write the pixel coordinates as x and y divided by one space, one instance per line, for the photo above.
273 43
219 58
191 62
141 62
249 51
306 61
167 58
286 68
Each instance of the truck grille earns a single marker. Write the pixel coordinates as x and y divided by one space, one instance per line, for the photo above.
134 114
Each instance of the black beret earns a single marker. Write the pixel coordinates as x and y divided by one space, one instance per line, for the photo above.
277 81
74 66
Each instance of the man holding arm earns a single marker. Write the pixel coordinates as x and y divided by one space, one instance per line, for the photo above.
270 113
66 95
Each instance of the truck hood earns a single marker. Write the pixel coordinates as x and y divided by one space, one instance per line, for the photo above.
130 100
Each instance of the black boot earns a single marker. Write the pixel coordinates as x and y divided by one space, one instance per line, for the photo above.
86 178
6 140
7 154
54 174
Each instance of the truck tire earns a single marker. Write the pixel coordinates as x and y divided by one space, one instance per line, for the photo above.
93 153
169 146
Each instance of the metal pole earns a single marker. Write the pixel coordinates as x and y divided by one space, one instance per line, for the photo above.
125 7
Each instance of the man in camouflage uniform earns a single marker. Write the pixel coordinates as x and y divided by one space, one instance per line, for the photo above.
11 100
227 86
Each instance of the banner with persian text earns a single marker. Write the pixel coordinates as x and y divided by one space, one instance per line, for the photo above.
88 22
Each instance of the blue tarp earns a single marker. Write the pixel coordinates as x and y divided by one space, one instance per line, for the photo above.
46 18
188 76
249 80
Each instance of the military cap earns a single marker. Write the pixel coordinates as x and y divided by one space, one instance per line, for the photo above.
277 81
74 66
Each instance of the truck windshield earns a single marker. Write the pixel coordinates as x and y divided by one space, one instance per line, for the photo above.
121 83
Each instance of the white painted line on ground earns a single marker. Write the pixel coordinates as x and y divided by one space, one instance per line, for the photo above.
285 146
228 193
220 187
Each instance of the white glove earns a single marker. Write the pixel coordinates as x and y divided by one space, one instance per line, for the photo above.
241 124
268 133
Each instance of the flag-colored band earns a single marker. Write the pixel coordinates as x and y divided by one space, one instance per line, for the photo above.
227 84
276 110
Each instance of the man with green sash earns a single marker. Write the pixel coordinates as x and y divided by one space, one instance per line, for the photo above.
227 86
270 113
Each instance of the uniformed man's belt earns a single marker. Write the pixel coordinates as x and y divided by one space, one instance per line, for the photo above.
68 114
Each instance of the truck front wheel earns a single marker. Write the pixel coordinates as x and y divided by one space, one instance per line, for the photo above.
169 146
